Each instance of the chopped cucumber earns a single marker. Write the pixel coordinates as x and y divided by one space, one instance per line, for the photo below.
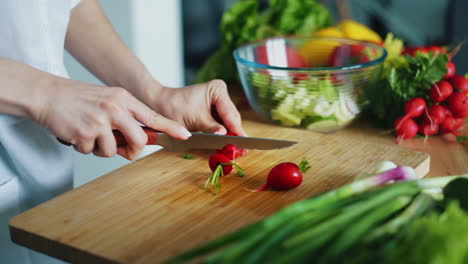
323 125
313 103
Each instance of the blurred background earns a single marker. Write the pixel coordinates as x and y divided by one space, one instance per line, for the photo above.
174 37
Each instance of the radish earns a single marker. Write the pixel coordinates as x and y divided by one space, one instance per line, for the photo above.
458 122
435 49
458 104
440 91
405 128
220 165
414 107
285 176
428 129
219 159
230 151
449 126
459 82
435 114
448 113
450 70
411 51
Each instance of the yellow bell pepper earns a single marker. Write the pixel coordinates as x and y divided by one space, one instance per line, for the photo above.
354 30
329 32
317 51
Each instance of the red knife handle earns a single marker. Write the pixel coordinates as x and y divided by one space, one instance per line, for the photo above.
121 141
151 133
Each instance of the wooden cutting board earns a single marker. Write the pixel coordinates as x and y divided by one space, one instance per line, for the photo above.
155 207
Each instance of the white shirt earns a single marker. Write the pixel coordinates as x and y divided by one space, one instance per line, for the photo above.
34 167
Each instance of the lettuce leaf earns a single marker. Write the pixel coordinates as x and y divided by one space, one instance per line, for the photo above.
244 23
435 239
297 17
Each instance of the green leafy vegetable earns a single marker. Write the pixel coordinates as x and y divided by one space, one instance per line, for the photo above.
435 239
402 78
297 17
244 23
186 156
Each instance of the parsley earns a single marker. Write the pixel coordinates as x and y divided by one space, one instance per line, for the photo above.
403 77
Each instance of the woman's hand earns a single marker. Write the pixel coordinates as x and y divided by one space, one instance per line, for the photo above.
203 107
85 115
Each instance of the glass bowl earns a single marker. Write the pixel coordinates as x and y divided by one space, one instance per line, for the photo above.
315 83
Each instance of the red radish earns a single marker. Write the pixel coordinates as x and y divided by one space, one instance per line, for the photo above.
435 49
458 104
411 51
435 114
220 159
220 165
427 129
449 126
230 151
405 128
448 113
450 70
241 152
285 176
458 122
459 82
440 91
414 107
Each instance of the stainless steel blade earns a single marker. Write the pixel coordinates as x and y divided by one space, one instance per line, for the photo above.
212 141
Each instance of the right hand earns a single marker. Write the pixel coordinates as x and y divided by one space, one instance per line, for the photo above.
85 115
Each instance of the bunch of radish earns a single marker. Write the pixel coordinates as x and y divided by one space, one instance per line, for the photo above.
442 113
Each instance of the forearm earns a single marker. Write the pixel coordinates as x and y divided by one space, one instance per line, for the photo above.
92 40
21 88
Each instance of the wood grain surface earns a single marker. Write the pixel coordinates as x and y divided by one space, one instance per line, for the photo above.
155 207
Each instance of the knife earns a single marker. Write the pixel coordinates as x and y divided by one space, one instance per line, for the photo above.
200 140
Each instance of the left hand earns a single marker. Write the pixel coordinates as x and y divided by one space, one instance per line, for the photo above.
197 107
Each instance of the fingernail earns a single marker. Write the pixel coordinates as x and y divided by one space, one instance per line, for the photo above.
186 134
219 130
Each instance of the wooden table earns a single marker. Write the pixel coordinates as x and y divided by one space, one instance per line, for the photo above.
59 229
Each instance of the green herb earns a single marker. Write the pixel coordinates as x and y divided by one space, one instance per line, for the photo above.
304 165
462 138
244 23
402 78
186 156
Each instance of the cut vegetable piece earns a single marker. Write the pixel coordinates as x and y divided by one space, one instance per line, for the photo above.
323 125
285 118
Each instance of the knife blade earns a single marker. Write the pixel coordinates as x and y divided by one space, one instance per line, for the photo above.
200 140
